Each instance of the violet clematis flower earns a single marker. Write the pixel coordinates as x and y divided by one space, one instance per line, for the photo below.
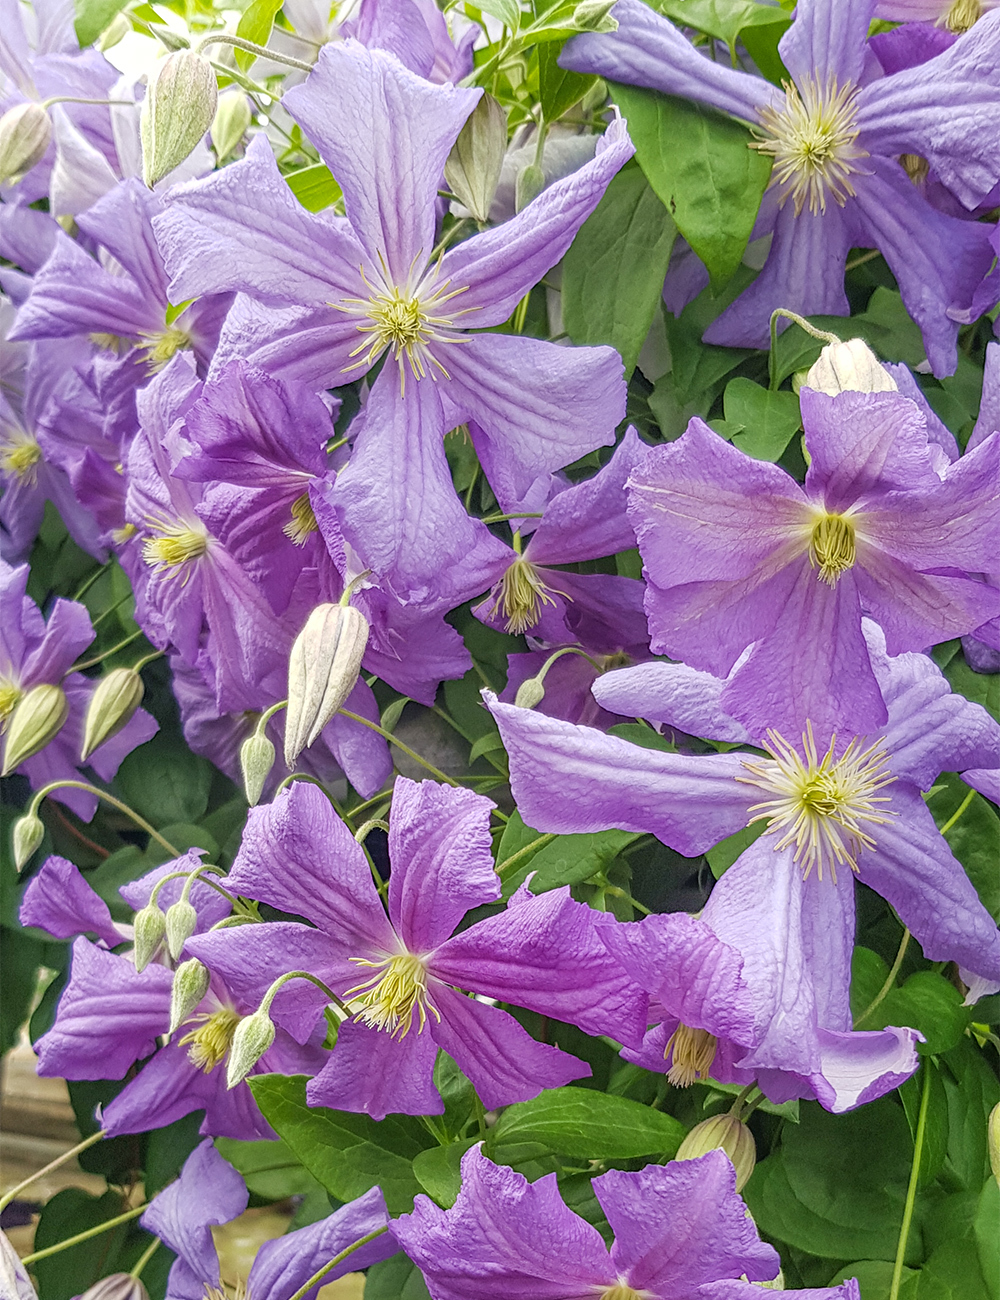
400 974
835 136
354 289
34 652
735 551
209 1192
679 1230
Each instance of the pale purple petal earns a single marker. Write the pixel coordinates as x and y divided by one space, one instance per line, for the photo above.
210 905
373 1072
988 420
310 345
59 900
827 41
673 694
858 1067
68 632
986 780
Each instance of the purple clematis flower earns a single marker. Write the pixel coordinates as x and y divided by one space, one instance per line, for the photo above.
400 974
735 551
679 1230
351 290
209 1192
835 134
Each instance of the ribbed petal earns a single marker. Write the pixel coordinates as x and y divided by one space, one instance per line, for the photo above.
373 1072
827 41
59 900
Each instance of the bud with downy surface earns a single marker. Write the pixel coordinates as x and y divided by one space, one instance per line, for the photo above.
148 927
179 925
28 834
191 980
322 670
530 692
232 121
25 132
178 109
993 1140
473 167
529 184
726 1133
254 1035
37 718
119 1286
112 706
256 761
850 367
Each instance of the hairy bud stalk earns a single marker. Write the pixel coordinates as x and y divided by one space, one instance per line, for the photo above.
726 1133
112 707
253 1036
178 109
36 720
28 835
850 367
191 980
25 132
322 670
256 761
473 167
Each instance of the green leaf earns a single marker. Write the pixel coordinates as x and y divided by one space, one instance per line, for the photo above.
488 744
164 782
347 1153
22 956
984 1230
868 974
725 853
507 11
935 1147
72 1271
952 1273
928 1002
700 164
567 860
639 733
439 1170
874 1278
974 838
973 1090
981 688
761 41
271 1169
93 17
770 419
725 19
395 1279
314 187
255 25
589 1125
558 88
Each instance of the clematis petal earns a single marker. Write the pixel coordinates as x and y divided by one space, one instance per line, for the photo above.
674 694
58 899
827 41
861 1066
373 1072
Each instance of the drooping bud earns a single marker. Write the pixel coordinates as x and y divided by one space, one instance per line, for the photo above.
726 1133
529 184
473 167
28 834
119 1286
850 367
530 692
112 707
254 1035
149 926
322 669
191 980
178 109
993 1140
179 925
232 120
594 16
37 719
256 761
25 132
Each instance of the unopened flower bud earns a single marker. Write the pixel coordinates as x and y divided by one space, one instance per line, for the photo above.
254 1035
529 184
473 167
529 693
191 980
25 132
594 16
850 367
148 926
232 121
179 925
256 761
322 670
37 719
112 707
116 31
178 109
727 1133
993 1140
119 1286
28 834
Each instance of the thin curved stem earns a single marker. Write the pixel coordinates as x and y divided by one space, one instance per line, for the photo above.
115 803
337 1259
14 1192
222 38
393 740
85 1236
890 980
145 1257
958 812
527 851
89 663
911 1191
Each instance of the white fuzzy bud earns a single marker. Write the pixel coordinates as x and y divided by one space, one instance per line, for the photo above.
148 927
322 670
119 1286
254 1035
112 706
232 121
473 167
529 184
256 761
28 834
850 367
179 925
37 719
726 1133
25 132
529 693
178 109
190 985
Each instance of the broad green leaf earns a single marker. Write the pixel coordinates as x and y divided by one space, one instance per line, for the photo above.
314 187
769 419
164 782
868 974
761 41
725 853
981 688
724 19
613 273
270 1168
952 1273
93 17
928 1002
395 1279
974 838
255 25
507 11
438 1170
568 860
935 1147
68 1273
638 733
702 167
874 1277
973 1091
589 1125
166 1150
22 956
487 744
559 89
984 1228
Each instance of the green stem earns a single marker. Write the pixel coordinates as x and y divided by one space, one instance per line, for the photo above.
272 992
393 740
526 852
108 798
89 663
147 659
111 608
911 1191
89 582
14 1192
500 519
862 258
803 324
85 1236
337 1259
742 1098
145 1257
361 833
221 38
955 815
890 980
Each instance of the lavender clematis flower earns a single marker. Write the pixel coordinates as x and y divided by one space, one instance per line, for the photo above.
400 973
679 1230
835 136
354 289
735 551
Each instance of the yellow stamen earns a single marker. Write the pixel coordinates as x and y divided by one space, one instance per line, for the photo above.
962 15
234 1291
832 547
10 694
124 534
303 521
693 1053
916 168
811 139
109 343
821 804
389 999
163 346
622 1291
521 596
177 544
19 455
211 1041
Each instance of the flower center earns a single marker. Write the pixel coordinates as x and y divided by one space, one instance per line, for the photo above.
159 348
916 167
234 1291
812 141
210 1042
10 694
176 544
622 1291
303 521
390 998
693 1053
521 596
832 547
821 805
19 455
962 15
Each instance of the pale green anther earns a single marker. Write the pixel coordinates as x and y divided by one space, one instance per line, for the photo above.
178 110
37 718
254 1035
473 167
190 985
256 760
28 835
323 667
529 184
233 116
25 132
726 1133
149 927
179 925
112 706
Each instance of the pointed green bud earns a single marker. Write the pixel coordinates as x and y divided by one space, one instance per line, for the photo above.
179 925
112 706
726 1133
191 980
28 834
473 167
256 761
37 718
254 1035
149 926
322 670
529 184
850 367
530 692
25 132
594 16
232 121
178 109
119 1286
993 1140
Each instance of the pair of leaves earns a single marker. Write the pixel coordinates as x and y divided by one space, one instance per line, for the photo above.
566 860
